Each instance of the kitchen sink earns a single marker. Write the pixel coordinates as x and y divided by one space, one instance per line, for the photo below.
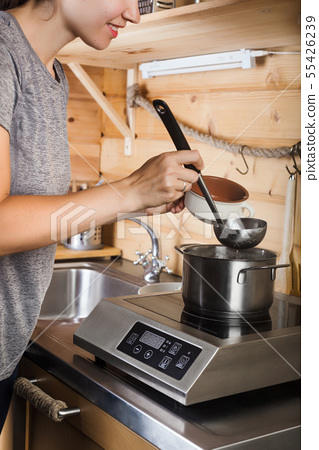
77 288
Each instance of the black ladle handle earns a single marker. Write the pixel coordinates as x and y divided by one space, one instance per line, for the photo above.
181 143
173 128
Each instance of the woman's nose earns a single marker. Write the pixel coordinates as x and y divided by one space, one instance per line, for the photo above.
132 13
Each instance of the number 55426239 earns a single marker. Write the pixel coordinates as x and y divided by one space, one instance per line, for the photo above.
310 46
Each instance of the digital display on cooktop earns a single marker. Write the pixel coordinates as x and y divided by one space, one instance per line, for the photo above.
152 340
282 314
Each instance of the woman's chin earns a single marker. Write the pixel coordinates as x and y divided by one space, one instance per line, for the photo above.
99 44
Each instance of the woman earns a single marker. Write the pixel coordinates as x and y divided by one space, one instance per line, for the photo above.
35 166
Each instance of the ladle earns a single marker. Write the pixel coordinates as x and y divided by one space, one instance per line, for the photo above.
234 233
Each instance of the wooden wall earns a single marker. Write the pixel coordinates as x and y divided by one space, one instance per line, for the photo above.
84 127
255 107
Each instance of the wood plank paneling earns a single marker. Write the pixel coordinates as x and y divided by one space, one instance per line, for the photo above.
84 121
77 90
256 107
85 161
114 88
233 116
84 127
212 101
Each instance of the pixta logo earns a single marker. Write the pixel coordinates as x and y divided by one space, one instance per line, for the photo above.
65 221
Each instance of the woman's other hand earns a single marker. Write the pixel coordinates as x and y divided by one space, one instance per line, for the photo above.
159 185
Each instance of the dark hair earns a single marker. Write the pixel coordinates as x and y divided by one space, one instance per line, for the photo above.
9 4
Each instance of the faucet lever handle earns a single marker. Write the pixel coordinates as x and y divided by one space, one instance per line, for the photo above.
163 266
142 258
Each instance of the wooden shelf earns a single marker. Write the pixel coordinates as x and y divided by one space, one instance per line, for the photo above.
65 253
197 29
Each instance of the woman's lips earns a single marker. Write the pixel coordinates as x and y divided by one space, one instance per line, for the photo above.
113 29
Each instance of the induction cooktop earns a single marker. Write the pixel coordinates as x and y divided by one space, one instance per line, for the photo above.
193 358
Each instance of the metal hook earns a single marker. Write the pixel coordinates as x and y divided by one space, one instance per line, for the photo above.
294 148
291 173
242 155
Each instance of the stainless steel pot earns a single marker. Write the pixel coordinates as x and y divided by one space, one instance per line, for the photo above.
222 282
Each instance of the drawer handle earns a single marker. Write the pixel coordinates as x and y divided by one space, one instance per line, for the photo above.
56 410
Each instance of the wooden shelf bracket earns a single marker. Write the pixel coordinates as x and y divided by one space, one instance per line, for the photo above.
127 131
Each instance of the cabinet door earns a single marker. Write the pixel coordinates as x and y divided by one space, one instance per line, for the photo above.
43 433
91 429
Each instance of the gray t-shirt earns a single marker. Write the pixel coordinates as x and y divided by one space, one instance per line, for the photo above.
33 111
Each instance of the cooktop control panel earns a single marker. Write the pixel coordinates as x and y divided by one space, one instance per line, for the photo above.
159 350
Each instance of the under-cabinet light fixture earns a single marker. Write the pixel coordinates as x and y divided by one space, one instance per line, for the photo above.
245 59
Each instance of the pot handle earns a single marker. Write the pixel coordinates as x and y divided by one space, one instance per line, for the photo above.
241 278
179 250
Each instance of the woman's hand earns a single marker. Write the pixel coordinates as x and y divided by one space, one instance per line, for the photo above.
174 207
159 185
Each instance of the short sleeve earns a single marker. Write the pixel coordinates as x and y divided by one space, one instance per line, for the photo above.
10 89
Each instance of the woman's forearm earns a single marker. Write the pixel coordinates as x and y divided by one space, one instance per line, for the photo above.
32 221
29 222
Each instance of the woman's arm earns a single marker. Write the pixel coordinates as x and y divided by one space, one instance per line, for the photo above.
32 221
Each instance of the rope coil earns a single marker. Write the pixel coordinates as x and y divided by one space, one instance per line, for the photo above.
135 100
39 399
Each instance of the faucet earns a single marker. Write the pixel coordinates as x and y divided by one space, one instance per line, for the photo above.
153 267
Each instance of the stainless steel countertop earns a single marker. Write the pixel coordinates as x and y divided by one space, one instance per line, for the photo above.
263 419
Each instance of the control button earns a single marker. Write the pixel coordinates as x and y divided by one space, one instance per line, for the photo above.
137 349
181 363
165 362
175 348
132 338
148 354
